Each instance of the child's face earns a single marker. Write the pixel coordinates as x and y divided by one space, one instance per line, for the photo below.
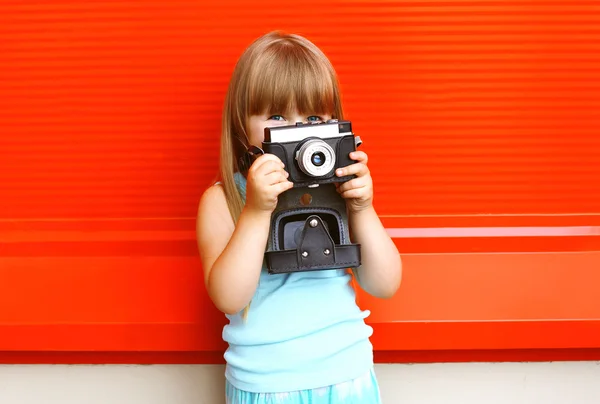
258 123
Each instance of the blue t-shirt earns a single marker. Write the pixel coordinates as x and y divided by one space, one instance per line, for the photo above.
304 330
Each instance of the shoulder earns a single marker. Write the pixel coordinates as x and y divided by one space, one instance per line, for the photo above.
214 226
212 194
212 208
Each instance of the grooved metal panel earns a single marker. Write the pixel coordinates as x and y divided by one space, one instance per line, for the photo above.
479 114
111 109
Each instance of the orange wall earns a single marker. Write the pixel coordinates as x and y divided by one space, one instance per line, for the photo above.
480 120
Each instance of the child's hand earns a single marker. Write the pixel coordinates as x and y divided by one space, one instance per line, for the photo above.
266 180
358 191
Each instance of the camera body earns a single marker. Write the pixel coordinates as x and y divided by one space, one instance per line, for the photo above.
309 227
312 152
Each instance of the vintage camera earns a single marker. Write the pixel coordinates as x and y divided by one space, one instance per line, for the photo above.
312 152
309 227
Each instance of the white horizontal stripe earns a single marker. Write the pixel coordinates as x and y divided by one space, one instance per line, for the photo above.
448 232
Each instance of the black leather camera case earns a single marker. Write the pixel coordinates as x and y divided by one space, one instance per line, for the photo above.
309 236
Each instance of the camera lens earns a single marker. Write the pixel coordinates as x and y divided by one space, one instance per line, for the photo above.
318 159
315 158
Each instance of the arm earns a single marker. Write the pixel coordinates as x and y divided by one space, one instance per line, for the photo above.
380 273
231 256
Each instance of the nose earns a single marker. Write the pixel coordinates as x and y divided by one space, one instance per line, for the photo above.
299 119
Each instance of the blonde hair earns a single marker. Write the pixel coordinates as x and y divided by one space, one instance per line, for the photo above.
276 74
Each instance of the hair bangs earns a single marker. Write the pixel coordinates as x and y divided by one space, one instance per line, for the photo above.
290 78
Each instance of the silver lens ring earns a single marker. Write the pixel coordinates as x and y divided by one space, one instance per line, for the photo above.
316 158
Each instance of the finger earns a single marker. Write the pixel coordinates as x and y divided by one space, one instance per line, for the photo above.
265 158
275 177
282 187
267 168
358 182
358 169
354 193
359 156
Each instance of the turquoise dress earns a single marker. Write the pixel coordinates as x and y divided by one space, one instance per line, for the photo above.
362 390
304 341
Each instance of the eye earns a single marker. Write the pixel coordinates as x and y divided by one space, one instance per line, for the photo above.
314 118
276 118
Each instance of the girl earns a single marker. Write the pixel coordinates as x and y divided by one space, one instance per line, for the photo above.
296 337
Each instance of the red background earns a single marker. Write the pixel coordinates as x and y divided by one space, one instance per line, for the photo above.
479 114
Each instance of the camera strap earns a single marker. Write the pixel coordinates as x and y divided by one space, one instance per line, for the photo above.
246 160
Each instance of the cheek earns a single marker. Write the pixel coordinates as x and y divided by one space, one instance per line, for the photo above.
256 134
